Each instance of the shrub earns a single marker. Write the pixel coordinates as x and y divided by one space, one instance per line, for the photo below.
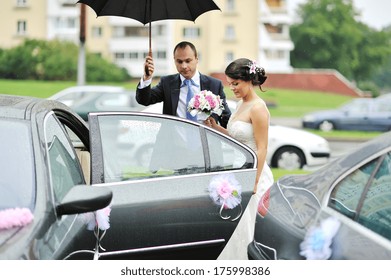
55 61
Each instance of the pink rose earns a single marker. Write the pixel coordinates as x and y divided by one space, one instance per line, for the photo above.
224 190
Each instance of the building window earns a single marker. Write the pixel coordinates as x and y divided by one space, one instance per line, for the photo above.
97 32
161 55
67 3
160 30
21 3
130 31
230 33
274 29
65 23
191 32
21 27
133 55
229 57
145 54
230 5
119 55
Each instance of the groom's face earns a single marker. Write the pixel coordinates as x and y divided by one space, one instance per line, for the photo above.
186 62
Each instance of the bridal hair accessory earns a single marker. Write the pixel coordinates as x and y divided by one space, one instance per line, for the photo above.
255 68
225 191
317 241
204 103
15 217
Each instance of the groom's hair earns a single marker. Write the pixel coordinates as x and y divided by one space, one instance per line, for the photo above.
184 44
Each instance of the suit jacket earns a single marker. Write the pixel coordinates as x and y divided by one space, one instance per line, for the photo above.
168 89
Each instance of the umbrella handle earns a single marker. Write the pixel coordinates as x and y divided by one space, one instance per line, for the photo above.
150 50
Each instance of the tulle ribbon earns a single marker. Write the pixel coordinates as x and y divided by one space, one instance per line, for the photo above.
15 217
99 222
225 191
317 241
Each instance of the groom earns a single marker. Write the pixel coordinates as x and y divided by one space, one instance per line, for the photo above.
173 89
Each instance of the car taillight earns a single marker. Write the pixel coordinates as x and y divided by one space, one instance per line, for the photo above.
263 204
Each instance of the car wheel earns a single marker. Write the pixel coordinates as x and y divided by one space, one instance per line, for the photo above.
326 126
144 155
289 158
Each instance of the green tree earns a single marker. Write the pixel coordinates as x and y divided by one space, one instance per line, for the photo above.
55 60
329 36
382 77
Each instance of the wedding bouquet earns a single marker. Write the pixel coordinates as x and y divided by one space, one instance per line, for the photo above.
204 103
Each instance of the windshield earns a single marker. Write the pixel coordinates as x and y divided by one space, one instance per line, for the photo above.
17 183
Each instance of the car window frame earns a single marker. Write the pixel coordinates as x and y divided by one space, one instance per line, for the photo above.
356 217
97 162
65 135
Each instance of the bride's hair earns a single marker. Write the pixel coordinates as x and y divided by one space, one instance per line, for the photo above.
246 70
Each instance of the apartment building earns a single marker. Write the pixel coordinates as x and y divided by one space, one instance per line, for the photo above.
257 29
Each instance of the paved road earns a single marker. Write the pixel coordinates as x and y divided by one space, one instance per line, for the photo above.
338 147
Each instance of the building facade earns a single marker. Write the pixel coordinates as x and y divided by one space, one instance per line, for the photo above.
256 29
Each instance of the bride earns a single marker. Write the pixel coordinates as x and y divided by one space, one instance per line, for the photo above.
249 124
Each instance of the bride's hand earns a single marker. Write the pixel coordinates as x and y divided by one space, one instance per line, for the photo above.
211 122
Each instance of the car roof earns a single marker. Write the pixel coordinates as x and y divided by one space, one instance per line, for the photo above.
15 106
88 88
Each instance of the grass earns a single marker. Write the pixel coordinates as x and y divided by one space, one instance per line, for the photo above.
278 173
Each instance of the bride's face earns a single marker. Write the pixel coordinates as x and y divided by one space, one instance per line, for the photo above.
240 88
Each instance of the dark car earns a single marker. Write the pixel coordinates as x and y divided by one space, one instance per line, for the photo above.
341 211
97 98
78 195
364 114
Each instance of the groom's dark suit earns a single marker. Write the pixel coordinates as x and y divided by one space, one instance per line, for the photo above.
168 89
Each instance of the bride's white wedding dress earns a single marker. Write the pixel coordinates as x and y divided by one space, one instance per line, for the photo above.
244 233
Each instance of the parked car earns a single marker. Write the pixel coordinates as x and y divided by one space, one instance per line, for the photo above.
171 208
341 211
289 148
385 97
94 98
365 114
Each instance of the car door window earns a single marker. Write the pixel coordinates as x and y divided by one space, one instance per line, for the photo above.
365 196
137 147
17 180
225 155
65 170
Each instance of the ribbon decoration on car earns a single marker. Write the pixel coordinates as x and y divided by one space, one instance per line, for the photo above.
225 191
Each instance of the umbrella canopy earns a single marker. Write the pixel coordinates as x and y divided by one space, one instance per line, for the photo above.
146 11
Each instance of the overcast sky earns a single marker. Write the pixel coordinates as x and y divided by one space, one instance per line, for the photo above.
375 13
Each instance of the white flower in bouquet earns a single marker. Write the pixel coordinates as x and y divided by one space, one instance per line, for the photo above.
205 103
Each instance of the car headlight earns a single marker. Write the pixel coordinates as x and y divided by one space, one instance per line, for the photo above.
324 145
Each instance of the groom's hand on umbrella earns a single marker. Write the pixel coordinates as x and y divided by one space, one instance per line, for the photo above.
148 68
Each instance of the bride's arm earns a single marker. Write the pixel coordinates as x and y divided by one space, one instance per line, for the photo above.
259 116
211 122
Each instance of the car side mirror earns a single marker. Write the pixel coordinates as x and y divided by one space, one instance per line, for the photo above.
83 198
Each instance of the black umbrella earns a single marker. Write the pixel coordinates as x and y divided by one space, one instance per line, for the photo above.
146 11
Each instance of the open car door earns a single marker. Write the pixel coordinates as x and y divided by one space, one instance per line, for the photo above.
179 187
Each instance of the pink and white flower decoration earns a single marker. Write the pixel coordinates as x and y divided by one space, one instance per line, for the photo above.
99 219
15 217
204 103
253 67
225 191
